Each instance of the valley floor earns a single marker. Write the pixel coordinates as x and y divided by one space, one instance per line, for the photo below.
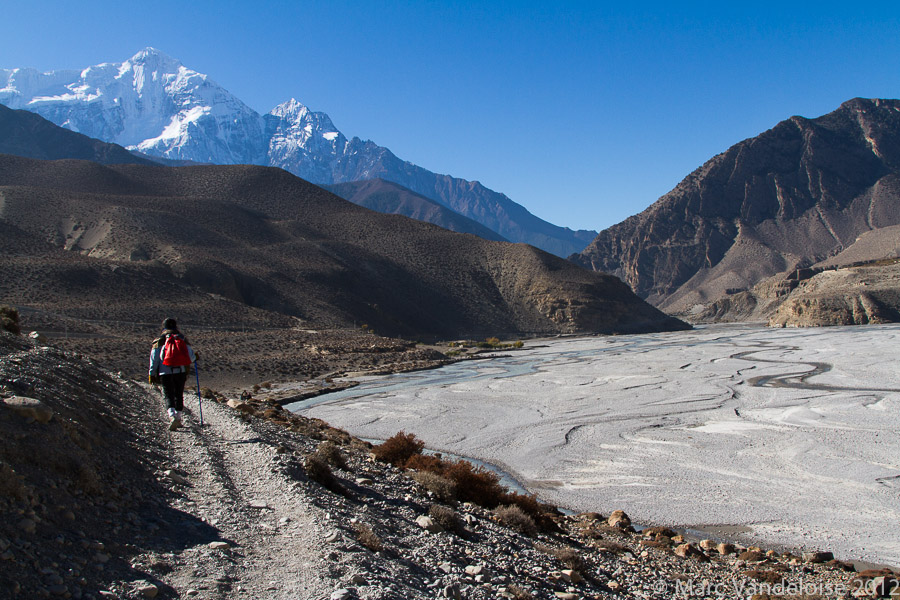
101 501
786 436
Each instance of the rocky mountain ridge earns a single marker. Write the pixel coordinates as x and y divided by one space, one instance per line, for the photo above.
789 198
154 104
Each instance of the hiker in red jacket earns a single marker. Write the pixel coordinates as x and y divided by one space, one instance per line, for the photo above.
170 361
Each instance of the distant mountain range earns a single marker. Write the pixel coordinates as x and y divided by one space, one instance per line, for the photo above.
225 244
731 236
153 104
388 197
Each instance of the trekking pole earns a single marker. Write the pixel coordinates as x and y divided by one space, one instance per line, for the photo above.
199 396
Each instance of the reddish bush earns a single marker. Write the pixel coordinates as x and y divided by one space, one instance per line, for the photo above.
426 462
475 484
398 448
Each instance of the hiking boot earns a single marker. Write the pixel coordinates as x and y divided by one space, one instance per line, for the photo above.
175 424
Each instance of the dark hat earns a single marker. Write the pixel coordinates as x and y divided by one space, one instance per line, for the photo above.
170 324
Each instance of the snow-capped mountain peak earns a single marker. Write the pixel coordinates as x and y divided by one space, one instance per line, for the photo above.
153 103
291 110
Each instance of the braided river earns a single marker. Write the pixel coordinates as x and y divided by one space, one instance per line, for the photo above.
786 437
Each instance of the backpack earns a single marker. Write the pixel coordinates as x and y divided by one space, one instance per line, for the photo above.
175 351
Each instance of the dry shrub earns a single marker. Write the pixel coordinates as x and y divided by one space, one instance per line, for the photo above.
611 547
425 462
567 555
442 488
9 319
207 394
519 593
446 517
319 471
516 519
398 449
475 484
332 455
535 509
338 436
368 538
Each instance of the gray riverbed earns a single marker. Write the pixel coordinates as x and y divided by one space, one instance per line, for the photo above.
790 434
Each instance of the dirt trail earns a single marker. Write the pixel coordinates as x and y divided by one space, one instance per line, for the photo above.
235 486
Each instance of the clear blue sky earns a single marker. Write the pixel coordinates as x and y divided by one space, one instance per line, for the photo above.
585 113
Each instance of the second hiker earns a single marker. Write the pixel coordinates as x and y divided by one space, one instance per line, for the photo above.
170 361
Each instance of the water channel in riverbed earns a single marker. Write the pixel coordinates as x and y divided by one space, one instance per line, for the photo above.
790 434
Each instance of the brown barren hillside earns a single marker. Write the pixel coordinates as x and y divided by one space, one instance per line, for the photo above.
132 242
789 198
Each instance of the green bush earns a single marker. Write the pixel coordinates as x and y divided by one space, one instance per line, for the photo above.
9 319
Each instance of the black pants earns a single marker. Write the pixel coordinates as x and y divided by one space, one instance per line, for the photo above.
173 386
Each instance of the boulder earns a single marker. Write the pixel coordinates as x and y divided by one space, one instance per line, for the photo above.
817 557
725 548
752 556
572 576
148 590
30 408
428 524
656 532
619 519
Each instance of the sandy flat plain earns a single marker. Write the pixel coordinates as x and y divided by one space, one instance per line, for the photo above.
792 435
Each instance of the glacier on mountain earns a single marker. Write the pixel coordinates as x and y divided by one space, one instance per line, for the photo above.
153 104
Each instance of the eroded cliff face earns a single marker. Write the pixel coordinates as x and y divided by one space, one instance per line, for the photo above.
860 295
788 198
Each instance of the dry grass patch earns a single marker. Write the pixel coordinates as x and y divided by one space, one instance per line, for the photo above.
442 488
332 455
611 547
516 519
446 517
519 593
319 471
568 556
368 538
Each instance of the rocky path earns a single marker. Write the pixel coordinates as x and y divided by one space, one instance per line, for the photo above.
268 536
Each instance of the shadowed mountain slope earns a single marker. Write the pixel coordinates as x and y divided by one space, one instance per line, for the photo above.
793 196
24 133
388 197
133 242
